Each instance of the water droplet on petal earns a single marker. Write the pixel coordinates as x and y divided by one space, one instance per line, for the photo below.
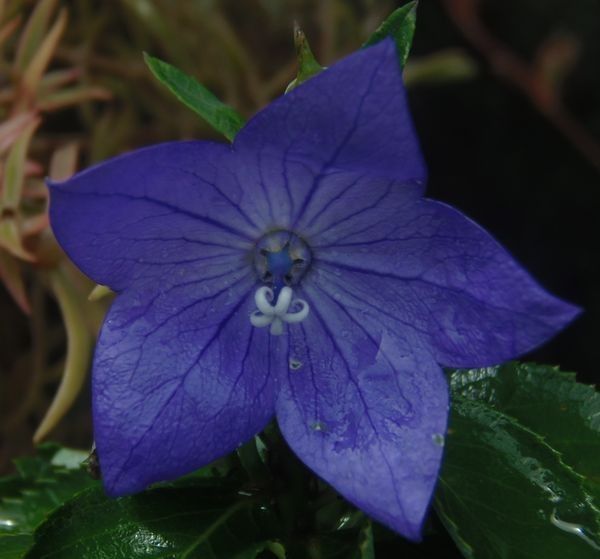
438 439
318 426
295 364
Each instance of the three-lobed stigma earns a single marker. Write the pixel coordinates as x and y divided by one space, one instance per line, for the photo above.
275 313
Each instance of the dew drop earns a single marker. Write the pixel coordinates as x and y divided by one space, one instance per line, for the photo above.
318 426
344 521
572 528
295 364
438 439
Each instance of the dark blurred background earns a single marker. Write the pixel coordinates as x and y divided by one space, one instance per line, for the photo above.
505 95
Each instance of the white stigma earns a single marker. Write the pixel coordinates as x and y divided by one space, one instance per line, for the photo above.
276 314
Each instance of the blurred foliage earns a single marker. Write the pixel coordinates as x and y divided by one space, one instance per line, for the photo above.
32 266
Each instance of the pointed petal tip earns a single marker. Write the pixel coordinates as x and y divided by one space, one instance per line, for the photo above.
573 312
565 313
351 91
115 490
119 481
414 532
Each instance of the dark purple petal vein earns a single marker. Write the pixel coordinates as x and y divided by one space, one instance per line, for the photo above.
430 269
180 376
145 213
352 117
366 409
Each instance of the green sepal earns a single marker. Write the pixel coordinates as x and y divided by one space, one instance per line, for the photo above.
195 96
400 25
307 63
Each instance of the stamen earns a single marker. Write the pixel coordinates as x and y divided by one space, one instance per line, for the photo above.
276 314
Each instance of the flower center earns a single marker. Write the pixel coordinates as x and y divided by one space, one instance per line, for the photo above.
281 258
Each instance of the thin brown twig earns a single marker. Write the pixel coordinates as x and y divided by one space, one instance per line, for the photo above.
528 78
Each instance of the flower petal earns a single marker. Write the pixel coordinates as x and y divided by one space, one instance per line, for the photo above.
348 203
366 409
180 376
136 215
428 268
352 117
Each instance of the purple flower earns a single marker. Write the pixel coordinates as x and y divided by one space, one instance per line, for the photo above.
298 273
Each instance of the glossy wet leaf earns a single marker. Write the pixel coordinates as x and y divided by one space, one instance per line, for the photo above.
195 96
505 492
196 521
39 487
547 401
401 26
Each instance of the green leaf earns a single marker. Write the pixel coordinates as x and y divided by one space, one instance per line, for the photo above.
505 490
195 96
547 401
401 26
43 483
207 519
365 545
14 546
353 543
